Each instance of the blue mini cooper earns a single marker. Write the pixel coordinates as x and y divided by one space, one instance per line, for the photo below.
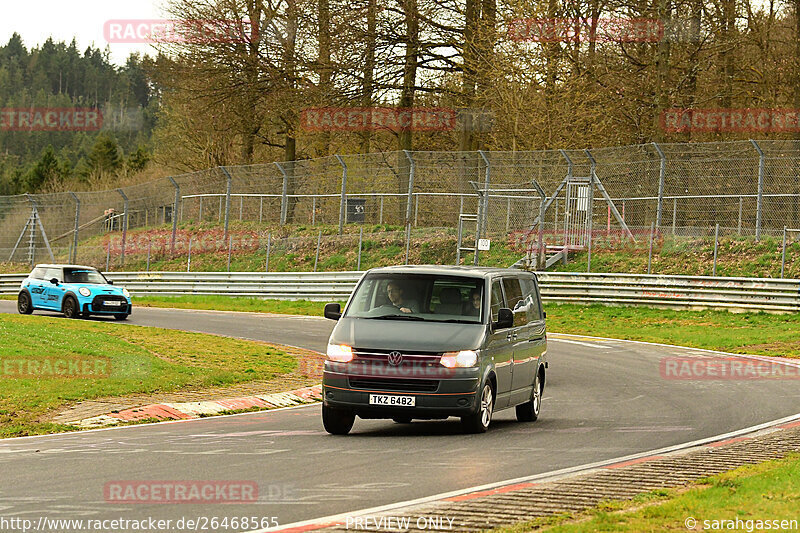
73 290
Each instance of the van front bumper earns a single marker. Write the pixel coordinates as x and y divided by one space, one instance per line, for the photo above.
454 396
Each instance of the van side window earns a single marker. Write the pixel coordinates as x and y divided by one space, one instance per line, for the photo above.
514 300
497 299
530 294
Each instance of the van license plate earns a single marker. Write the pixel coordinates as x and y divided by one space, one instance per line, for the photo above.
386 399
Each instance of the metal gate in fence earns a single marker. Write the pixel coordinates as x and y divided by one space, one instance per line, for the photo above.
577 213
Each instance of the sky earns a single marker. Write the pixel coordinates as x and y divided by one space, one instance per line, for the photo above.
36 20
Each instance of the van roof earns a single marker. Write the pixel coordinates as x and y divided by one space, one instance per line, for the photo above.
470 271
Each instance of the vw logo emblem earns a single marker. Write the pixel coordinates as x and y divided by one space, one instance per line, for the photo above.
395 358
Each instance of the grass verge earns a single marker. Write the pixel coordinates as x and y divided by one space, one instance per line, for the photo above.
48 362
228 303
763 492
750 333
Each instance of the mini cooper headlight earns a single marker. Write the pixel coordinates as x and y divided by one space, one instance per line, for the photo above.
85 292
462 359
126 293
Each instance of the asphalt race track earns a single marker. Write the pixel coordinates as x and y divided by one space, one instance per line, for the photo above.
604 399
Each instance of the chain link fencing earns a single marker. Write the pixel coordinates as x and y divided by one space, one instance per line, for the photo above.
749 188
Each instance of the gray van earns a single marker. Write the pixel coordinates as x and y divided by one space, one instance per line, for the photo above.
429 342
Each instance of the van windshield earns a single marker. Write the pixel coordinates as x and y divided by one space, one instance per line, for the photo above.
433 298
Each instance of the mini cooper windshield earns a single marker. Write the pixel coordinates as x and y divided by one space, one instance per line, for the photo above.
83 275
425 297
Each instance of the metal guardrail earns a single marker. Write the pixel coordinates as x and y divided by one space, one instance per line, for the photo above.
677 292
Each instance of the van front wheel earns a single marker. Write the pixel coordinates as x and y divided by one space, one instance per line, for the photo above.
479 422
337 421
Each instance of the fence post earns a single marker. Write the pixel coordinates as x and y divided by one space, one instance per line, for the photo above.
316 257
74 258
716 244
661 178
343 199
360 237
149 247
284 193
759 201
650 253
411 172
108 254
189 258
260 209
485 211
674 214
200 215
175 215
739 230
124 224
230 246
590 207
269 245
228 185
783 252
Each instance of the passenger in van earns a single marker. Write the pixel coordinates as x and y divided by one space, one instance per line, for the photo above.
473 306
395 292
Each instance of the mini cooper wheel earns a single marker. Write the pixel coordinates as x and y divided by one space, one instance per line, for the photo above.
529 411
71 308
24 305
337 421
480 420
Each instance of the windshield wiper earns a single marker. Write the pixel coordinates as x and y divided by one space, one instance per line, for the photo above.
457 321
393 317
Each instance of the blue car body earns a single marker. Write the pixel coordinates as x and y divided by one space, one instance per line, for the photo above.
74 290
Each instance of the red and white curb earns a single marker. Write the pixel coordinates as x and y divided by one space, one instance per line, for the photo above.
188 410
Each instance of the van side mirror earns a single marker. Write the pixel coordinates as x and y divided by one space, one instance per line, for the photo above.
544 314
54 281
333 311
505 318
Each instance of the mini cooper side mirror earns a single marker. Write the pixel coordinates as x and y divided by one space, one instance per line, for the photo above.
54 281
505 318
333 311
110 282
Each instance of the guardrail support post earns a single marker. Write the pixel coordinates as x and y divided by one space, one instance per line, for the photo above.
74 256
229 183
661 178
124 224
760 199
783 252
411 173
174 215
284 193
343 199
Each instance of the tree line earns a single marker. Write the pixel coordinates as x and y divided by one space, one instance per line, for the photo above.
56 75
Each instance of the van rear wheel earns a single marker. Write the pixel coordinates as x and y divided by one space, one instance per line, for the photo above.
529 411
337 421
479 422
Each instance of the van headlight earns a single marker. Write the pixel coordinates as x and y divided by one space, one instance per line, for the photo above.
85 292
125 293
462 359
341 353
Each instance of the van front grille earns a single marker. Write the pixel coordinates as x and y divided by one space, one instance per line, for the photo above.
394 385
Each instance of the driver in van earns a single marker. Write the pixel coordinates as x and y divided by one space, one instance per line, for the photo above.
395 292
473 306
